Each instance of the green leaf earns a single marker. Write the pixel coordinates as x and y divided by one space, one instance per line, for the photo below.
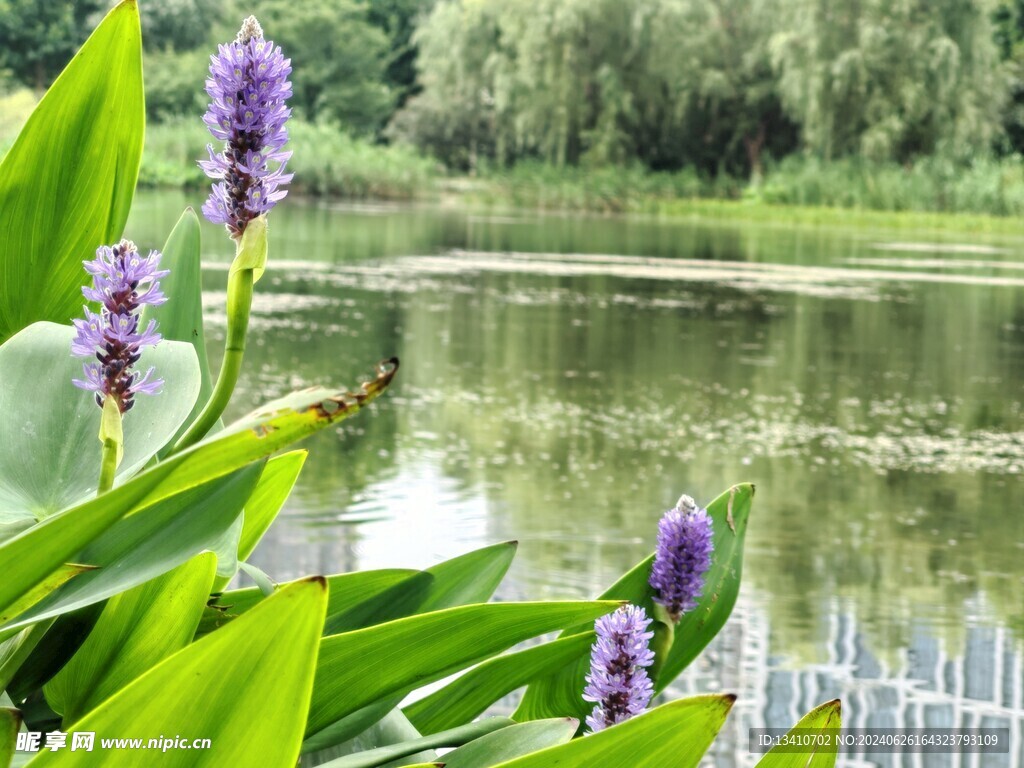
472 693
149 543
10 722
15 650
49 454
259 669
251 253
260 511
32 555
136 630
397 602
270 495
52 651
67 183
508 743
472 577
358 668
469 578
181 317
346 591
826 717
350 727
676 734
453 737
41 590
559 695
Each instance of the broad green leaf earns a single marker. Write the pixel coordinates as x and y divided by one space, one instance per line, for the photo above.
826 717
180 318
472 577
351 726
32 555
226 548
559 695
15 650
136 630
454 737
676 734
259 669
53 650
149 543
10 722
49 451
264 503
67 183
472 693
399 601
270 495
346 591
469 578
508 743
41 590
394 728
358 668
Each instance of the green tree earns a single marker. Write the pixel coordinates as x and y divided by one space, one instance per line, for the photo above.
1008 21
180 25
38 38
398 20
338 60
666 83
890 79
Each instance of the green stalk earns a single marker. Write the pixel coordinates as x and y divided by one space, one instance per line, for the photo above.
112 442
246 269
239 304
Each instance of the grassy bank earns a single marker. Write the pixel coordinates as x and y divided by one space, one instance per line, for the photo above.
325 161
933 194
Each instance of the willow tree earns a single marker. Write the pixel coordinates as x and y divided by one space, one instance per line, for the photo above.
890 79
666 83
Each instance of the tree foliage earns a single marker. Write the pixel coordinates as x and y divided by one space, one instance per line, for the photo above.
706 83
37 39
339 60
890 79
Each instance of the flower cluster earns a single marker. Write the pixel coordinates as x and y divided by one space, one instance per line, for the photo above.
248 86
122 282
682 558
618 683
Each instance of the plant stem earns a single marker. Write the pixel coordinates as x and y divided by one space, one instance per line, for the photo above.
108 466
238 306
111 442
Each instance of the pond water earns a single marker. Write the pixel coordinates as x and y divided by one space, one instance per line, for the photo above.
565 379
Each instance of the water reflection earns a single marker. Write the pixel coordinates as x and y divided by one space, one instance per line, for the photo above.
871 387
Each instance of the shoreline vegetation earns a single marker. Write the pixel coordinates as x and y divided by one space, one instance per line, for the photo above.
987 196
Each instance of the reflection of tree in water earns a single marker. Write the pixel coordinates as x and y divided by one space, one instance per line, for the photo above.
583 422
881 424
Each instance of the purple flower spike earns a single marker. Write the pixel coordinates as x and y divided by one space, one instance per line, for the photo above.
683 557
248 85
618 683
122 282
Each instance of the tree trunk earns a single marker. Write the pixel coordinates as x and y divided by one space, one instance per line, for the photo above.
754 145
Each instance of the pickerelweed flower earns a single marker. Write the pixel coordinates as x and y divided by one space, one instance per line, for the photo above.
683 557
122 282
618 683
248 85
